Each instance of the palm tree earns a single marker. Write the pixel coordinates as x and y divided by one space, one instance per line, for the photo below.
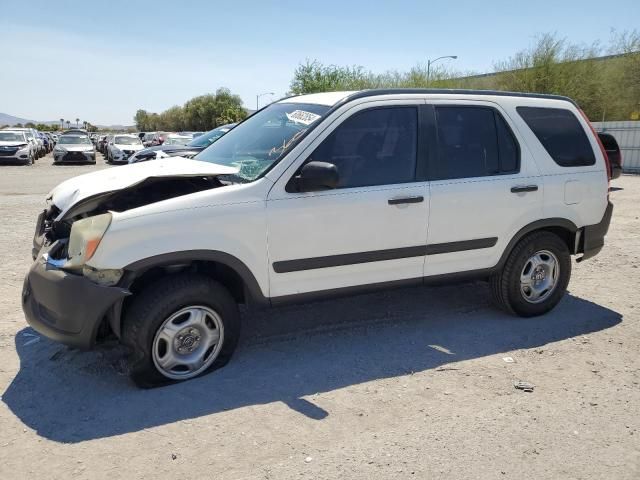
77 121
61 123
68 124
84 124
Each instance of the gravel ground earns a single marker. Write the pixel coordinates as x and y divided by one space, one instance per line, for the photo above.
405 384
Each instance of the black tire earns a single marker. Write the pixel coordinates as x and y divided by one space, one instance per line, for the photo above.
505 285
158 302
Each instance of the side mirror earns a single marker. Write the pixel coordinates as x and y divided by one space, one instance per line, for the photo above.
315 176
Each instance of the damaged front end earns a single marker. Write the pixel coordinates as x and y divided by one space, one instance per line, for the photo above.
65 299
54 226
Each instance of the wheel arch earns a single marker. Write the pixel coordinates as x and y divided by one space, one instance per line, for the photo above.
563 228
223 267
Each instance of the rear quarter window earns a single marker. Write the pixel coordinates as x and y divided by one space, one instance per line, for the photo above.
561 134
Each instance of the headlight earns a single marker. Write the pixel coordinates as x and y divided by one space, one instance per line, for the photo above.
59 149
90 150
85 237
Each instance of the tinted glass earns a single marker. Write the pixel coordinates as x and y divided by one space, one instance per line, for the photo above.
561 135
508 149
467 143
374 147
473 142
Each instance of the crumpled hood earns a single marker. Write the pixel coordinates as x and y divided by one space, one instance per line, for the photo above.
79 188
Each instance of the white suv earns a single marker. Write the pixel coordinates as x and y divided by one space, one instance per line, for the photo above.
313 196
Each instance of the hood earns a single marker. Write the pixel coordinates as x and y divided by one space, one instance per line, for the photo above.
69 147
13 143
80 188
124 146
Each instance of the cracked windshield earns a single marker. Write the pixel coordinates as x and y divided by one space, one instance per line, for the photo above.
260 141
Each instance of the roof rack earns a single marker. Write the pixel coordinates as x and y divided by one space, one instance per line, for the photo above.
454 91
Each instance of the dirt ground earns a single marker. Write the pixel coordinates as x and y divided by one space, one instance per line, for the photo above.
405 384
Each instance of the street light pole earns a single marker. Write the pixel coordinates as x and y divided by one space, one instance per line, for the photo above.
261 95
431 62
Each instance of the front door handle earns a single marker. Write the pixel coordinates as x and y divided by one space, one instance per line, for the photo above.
524 188
401 200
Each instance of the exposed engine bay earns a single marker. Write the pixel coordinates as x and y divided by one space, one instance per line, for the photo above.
50 228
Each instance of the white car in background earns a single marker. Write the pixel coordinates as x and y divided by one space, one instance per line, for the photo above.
36 143
15 147
74 149
121 147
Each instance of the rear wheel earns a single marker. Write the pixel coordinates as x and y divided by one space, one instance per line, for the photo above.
534 277
179 328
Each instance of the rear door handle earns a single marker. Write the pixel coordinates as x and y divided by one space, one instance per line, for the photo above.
524 188
401 200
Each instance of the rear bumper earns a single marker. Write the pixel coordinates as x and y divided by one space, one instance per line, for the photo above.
593 235
65 307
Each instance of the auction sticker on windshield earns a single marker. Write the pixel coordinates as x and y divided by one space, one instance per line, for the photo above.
300 116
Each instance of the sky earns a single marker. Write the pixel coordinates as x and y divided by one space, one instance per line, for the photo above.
101 61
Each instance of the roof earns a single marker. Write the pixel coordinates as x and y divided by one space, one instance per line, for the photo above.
326 98
333 98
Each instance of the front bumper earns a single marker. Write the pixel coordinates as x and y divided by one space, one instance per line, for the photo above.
123 158
74 157
14 155
65 307
593 235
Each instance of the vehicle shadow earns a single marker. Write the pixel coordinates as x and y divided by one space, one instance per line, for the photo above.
285 354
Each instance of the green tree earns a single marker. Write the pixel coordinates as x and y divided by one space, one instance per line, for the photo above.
603 86
141 120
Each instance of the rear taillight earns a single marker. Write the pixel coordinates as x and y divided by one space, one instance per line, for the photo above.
602 149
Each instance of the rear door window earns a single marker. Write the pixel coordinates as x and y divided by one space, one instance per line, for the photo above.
473 142
561 134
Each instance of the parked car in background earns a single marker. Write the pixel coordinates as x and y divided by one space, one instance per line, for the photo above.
48 146
121 147
158 138
189 150
33 138
15 147
101 144
72 148
175 139
147 139
511 187
76 131
612 148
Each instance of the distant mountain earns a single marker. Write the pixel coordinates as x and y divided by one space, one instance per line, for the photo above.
6 119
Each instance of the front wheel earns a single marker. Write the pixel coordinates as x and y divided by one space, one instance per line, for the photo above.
178 328
534 277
